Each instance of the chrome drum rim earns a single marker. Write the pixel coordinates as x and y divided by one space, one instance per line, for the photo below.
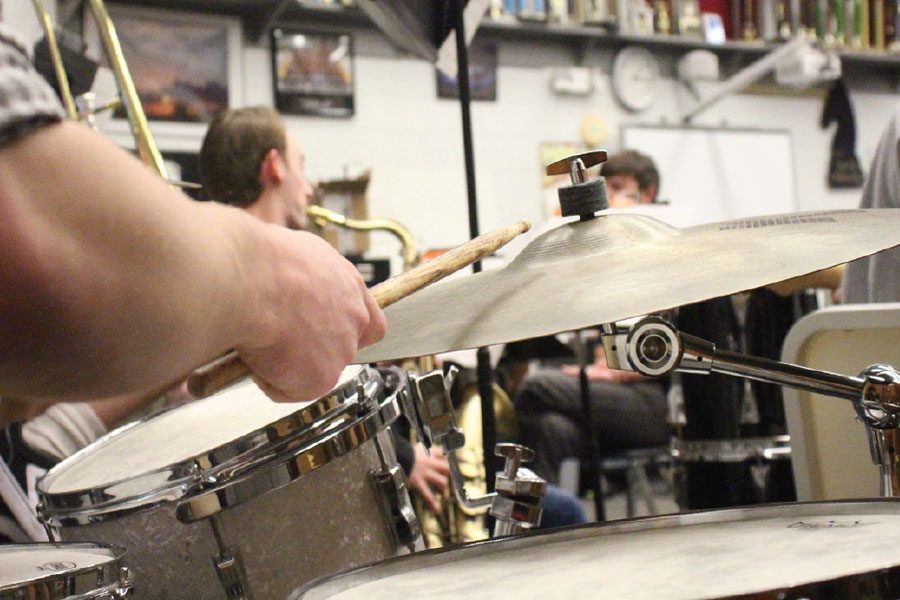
323 427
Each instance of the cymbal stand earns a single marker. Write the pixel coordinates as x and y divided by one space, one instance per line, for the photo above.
593 472
654 347
484 370
516 503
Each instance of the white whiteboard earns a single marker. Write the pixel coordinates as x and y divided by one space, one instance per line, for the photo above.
709 174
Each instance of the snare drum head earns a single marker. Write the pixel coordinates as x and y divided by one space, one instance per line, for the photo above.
22 565
717 554
174 436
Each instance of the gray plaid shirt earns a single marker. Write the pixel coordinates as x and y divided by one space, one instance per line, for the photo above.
26 100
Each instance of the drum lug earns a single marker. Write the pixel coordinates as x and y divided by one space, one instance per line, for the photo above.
396 505
125 585
231 573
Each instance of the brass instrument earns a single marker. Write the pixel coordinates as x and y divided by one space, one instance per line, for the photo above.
140 130
321 216
56 57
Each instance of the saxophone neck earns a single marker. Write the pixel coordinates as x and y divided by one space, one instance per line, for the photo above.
322 216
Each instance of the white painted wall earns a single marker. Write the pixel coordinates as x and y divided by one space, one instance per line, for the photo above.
413 144
20 15
412 140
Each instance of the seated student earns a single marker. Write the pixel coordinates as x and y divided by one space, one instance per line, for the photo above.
631 178
628 411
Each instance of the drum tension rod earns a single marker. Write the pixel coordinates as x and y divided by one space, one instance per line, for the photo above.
654 347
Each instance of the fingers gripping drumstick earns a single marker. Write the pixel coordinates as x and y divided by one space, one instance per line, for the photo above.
220 373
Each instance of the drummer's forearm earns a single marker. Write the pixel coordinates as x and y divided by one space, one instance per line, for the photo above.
112 281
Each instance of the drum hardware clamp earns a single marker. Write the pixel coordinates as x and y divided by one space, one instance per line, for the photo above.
654 347
516 503
582 198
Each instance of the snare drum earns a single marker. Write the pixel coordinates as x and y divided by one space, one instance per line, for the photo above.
790 551
237 494
62 572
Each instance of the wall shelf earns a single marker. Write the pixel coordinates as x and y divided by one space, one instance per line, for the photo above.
261 15
584 37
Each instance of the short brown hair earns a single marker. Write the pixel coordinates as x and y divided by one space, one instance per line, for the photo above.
235 145
631 162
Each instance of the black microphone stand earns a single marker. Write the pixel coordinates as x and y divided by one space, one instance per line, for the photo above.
485 375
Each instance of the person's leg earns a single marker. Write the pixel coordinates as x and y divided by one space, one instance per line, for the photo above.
630 415
560 508
552 433
624 417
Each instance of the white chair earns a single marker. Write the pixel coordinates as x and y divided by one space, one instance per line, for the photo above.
830 451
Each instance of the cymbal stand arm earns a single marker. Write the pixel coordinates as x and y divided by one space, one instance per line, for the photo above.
654 347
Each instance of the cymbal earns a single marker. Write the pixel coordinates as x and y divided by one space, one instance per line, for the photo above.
616 266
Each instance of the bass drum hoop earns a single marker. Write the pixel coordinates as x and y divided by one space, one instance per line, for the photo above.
182 478
326 587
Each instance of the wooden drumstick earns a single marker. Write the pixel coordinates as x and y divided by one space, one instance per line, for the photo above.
211 378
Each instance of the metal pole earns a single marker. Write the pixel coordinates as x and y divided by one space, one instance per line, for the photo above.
801 378
485 379
592 470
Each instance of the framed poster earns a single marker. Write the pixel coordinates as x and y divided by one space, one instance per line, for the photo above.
482 75
313 73
181 64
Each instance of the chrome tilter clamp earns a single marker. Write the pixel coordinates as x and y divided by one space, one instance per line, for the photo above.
516 504
654 347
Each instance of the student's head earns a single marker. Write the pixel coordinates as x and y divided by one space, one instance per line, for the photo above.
631 178
249 160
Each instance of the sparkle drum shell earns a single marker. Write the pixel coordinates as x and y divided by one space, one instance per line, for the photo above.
62 572
235 491
790 551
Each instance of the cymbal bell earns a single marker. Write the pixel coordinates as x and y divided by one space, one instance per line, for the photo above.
616 266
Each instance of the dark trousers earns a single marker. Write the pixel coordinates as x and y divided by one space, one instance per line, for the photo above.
625 416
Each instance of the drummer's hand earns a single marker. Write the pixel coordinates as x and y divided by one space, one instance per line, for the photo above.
429 474
315 313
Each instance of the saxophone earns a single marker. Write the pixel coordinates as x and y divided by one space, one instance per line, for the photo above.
322 216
